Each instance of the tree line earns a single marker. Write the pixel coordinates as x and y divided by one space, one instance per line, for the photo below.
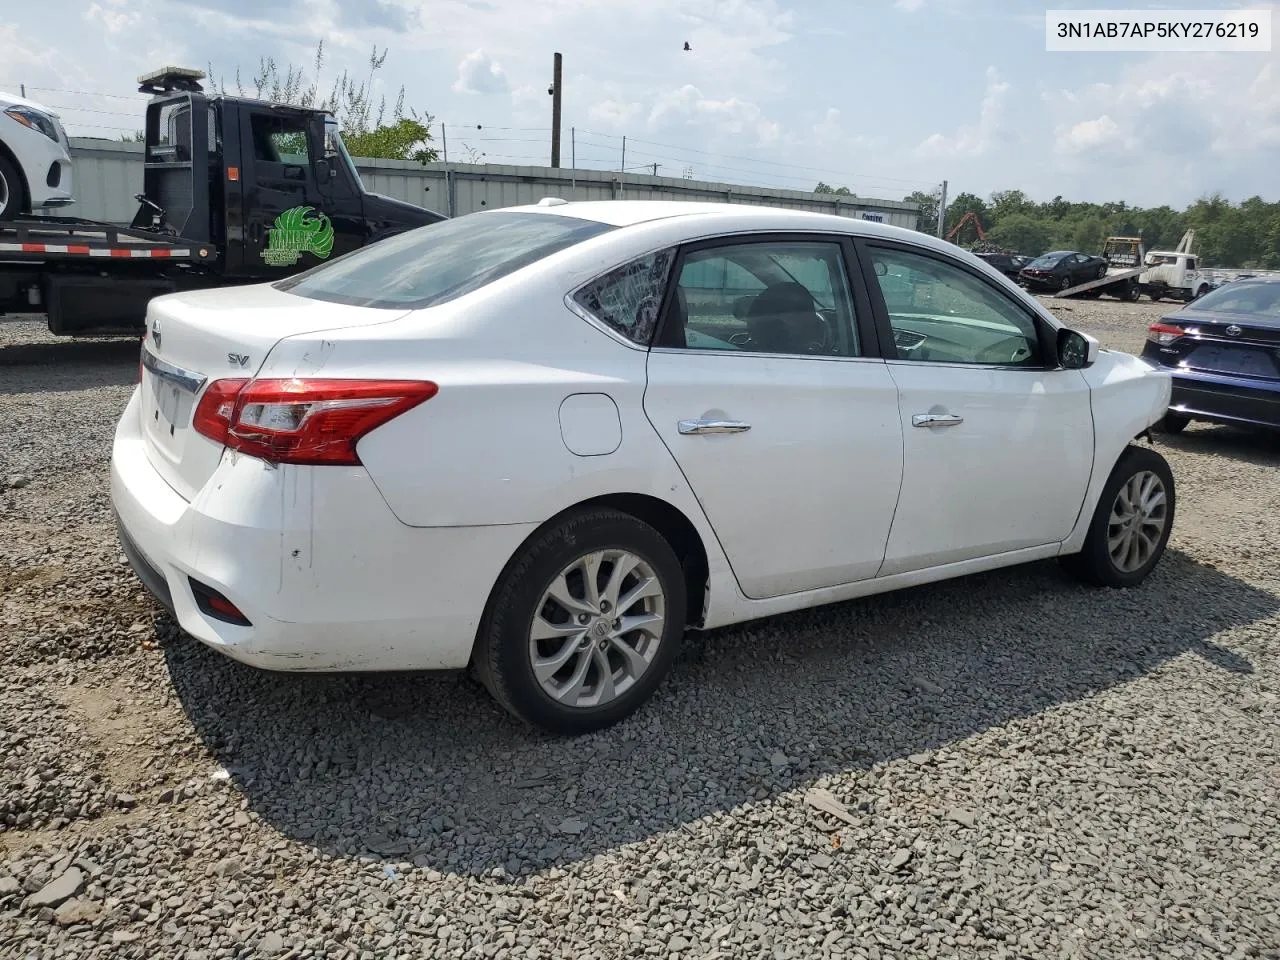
1243 235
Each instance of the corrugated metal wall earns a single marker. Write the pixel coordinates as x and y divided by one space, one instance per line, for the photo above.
108 173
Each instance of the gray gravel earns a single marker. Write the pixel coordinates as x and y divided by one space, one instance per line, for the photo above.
1006 766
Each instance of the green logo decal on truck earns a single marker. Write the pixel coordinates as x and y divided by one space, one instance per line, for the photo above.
294 234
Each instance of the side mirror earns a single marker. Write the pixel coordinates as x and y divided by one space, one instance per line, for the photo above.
1076 350
323 170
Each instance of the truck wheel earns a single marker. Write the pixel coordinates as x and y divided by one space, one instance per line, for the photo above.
13 192
1132 292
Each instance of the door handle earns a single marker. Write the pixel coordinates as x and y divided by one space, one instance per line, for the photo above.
935 420
698 427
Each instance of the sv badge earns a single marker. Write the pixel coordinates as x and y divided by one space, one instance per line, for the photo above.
238 359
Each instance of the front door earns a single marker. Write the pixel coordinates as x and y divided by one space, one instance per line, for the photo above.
998 441
761 385
286 228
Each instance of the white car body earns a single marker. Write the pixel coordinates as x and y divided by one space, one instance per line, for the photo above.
389 564
43 161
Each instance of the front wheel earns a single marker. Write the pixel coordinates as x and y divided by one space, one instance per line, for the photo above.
584 623
12 190
1130 525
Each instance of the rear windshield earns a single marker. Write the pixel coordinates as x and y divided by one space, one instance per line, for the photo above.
436 263
1262 299
1046 261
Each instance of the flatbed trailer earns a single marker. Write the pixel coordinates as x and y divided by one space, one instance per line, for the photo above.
235 191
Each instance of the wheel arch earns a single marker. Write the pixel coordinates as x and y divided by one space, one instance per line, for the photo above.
24 201
669 521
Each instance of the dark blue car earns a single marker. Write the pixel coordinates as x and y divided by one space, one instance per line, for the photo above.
1224 353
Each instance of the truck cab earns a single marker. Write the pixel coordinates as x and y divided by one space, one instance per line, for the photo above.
271 185
1174 273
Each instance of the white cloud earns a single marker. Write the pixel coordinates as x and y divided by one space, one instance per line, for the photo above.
614 112
973 140
1090 135
479 73
731 116
910 6
114 16
829 128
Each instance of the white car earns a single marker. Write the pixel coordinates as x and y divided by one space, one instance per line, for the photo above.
35 167
543 441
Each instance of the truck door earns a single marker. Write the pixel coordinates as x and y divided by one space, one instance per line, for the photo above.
341 193
285 227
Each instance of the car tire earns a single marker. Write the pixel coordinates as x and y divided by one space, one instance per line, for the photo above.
13 190
1066 283
1127 535
1174 423
1133 292
572 646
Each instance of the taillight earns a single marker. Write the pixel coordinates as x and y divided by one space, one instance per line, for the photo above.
216 407
1164 333
300 420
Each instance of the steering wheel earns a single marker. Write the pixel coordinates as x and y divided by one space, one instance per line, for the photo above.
1011 350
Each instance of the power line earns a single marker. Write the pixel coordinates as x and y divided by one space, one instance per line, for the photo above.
729 156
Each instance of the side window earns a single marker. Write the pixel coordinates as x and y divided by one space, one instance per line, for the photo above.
1191 263
943 314
279 139
628 298
789 297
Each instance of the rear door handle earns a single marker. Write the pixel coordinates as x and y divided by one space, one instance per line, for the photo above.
698 427
935 420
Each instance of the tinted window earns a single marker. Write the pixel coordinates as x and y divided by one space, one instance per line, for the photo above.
441 261
943 314
629 297
776 297
279 139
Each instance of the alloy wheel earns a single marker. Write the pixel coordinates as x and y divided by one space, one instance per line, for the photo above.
4 192
1137 521
597 628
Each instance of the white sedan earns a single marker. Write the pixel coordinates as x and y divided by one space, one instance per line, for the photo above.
545 441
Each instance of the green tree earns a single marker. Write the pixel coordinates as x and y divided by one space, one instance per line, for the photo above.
1021 233
928 204
368 130
966 203
837 191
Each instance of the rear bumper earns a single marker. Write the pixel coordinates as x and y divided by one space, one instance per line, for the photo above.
328 577
1232 400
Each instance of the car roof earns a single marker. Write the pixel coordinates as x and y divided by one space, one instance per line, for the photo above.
714 217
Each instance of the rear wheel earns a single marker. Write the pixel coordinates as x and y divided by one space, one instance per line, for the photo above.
1133 291
1130 525
1065 284
13 193
584 623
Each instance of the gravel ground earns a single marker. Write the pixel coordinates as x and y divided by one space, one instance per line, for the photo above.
1005 766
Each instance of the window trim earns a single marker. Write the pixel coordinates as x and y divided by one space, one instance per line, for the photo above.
570 298
1046 333
864 322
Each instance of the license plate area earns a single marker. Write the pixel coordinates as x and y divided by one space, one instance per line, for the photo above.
1240 361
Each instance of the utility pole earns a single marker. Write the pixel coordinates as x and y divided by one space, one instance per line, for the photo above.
448 187
655 169
555 110
942 210
623 167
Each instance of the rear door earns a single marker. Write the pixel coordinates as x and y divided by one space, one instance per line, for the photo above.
765 385
286 228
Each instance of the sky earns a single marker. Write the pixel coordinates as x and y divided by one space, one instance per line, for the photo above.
881 96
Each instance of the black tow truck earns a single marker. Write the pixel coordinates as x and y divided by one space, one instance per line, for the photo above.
234 191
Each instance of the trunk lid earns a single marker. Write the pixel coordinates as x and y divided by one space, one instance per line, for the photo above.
196 338
1231 344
